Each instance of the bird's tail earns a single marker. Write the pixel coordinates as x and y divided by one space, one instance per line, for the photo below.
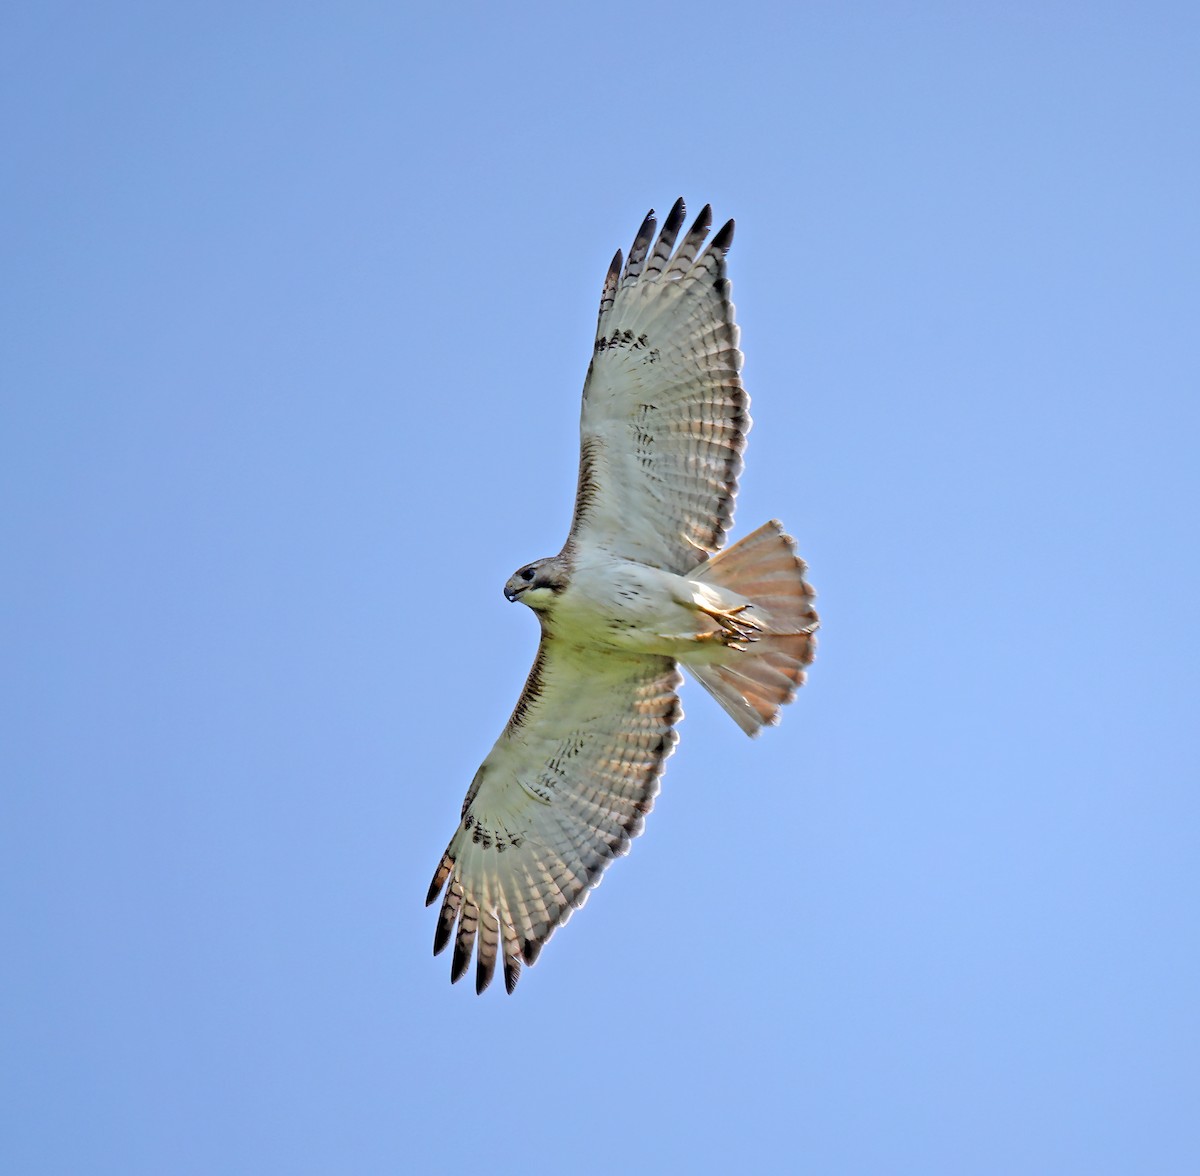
753 682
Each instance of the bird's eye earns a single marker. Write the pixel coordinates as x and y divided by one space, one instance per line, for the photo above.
527 574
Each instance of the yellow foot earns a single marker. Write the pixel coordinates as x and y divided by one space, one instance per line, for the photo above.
736 630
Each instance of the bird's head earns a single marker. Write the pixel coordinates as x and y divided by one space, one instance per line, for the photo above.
536 584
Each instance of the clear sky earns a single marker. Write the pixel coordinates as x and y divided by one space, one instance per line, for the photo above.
297 303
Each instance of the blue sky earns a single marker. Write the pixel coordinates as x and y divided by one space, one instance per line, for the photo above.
297 306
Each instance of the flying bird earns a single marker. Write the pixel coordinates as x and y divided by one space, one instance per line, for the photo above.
637 590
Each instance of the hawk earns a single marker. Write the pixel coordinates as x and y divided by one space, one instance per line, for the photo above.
637 590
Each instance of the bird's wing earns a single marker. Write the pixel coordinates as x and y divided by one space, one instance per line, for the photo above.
565 788
665 415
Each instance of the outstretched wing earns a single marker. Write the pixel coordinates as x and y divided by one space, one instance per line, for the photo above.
565 788
665 415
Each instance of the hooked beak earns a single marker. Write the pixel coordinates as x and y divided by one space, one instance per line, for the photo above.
511 594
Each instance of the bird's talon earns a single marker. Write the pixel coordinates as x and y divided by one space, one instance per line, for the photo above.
735 627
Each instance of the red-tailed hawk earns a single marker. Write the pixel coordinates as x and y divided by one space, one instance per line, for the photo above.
636 591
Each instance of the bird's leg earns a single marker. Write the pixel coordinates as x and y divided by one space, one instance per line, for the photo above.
735 631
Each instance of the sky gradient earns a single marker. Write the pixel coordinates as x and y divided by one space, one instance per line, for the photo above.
298 303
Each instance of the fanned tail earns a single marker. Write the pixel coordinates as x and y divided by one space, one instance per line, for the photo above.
751 684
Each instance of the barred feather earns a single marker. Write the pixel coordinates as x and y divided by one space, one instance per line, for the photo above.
665 415
666 240
686 253
558 798
637 251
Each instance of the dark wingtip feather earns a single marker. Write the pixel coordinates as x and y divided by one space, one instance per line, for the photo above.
484 968
639 249
611 279
512 973
685 255
464 941
439 880
445 926
724 237
462 959
660 256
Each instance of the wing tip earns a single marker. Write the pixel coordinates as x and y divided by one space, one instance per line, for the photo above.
611 281
460 963
512 973
441 937
439 879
